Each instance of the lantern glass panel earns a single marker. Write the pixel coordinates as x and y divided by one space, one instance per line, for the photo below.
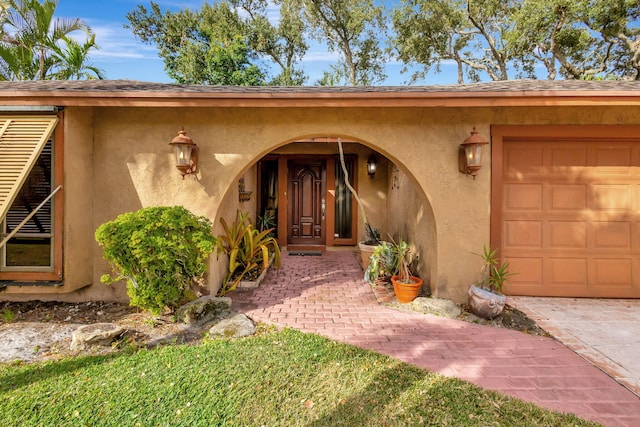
473 153
183 154
371 167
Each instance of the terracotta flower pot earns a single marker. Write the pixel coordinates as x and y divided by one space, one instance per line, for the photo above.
406 292
365 252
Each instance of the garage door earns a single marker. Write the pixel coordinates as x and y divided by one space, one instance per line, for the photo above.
570 215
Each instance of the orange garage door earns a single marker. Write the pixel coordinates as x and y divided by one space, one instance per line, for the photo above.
570 216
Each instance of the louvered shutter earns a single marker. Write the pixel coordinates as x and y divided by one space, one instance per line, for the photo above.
21 141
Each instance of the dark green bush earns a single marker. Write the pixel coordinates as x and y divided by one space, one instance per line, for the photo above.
161 251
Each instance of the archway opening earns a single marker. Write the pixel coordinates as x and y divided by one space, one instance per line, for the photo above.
298 190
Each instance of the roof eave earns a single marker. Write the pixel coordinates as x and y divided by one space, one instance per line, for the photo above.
321 99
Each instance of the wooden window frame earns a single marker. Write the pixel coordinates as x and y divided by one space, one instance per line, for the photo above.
58 221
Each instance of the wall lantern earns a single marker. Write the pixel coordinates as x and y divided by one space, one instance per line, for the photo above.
186 153
372 166
243 194
470 154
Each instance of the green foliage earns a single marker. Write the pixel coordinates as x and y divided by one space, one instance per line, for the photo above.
405 257
283 378
219 45
580 39
7 315
382 262
160 251
229 64
37 46
353 28
391 259
430 32
493 273
574 39
76 55
247 248
283 43
208 46
267 221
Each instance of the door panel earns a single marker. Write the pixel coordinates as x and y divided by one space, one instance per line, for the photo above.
307 204
570 213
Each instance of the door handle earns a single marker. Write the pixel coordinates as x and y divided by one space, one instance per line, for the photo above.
323 207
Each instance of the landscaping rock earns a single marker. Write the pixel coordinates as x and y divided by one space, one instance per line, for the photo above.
95 334
435 306
204 309
234 327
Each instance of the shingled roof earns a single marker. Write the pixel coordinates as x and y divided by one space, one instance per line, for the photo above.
136 93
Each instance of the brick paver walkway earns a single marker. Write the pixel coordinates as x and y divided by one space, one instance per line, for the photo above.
326 295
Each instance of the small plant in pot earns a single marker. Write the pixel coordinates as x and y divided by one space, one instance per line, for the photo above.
486 299
395 259
382 263
406 286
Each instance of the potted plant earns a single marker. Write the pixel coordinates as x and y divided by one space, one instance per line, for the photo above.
405 285
382 263
394 260
486 299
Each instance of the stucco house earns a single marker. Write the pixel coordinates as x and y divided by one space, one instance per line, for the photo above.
558 191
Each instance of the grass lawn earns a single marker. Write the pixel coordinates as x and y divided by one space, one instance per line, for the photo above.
283 378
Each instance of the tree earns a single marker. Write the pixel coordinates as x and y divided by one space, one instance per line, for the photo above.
284 44
216 45
207 46
580 38
31 38
75 57
570 38
352 28
430 32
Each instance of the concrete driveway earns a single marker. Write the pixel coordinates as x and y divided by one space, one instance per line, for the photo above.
605 332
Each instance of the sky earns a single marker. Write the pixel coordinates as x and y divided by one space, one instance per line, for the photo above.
122 56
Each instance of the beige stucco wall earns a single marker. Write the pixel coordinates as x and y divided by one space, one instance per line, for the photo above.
123 163
411 219
227 210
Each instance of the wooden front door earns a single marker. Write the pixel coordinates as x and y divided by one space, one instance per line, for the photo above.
306 202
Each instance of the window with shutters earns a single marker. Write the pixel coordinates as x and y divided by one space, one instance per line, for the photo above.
32 219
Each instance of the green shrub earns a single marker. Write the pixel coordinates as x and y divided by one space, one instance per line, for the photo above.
160 251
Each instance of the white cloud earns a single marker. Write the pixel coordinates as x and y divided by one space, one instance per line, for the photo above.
115 41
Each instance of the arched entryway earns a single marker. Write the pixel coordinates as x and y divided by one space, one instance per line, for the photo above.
299 190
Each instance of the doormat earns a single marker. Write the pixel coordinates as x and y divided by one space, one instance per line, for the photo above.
305 253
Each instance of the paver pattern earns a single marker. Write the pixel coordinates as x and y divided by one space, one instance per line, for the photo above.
327 295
